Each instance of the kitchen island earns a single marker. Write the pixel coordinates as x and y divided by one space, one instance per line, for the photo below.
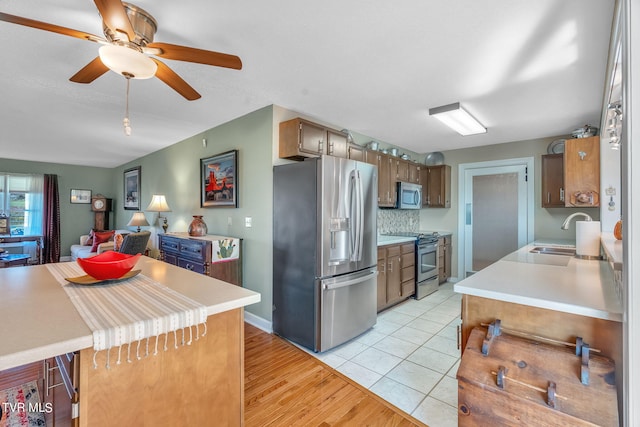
553 296
190 385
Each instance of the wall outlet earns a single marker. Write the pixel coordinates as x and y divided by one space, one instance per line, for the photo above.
247 221
229 221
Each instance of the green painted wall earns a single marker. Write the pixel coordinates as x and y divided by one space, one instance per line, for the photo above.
75 219
175 172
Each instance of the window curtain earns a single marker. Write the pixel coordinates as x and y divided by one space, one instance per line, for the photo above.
51 219
33 186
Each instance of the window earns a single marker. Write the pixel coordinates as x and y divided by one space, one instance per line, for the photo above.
21 198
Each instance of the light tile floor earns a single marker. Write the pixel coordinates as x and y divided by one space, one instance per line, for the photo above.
410 357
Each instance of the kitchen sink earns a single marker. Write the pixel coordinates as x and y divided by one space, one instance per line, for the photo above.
553 250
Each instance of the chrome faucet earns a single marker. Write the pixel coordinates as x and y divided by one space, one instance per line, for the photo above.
565 224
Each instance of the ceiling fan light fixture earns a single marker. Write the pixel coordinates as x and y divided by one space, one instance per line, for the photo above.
126 61
458 119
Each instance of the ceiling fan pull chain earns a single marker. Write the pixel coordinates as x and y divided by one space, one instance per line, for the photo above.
126 122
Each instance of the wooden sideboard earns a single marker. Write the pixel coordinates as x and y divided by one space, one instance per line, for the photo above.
198 254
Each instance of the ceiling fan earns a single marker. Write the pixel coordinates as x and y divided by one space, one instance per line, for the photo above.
128 44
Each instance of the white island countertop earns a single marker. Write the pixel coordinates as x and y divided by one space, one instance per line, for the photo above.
554 282
39 321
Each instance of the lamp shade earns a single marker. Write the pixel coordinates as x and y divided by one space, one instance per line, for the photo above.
458 119
138 220
128 62
158 204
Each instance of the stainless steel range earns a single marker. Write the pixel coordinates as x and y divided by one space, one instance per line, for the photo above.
426 262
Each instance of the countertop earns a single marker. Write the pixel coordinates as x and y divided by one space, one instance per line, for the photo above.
39 321
438 232
394 240
554 282
185 235
613 249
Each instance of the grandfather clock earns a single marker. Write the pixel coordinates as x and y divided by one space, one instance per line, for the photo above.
101 206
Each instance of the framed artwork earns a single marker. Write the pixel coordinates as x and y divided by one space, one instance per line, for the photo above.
219 180
80 196
132 189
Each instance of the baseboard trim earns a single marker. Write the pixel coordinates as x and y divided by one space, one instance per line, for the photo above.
258 322
65 258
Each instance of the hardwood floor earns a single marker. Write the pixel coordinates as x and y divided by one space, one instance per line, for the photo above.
284 386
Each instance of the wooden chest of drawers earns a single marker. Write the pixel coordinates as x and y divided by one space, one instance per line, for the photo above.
195 254
527 369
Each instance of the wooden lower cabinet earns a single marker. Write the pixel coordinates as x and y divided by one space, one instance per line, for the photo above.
444 258
189 386
55 402
396 274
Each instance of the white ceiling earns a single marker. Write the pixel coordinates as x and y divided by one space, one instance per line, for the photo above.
526 69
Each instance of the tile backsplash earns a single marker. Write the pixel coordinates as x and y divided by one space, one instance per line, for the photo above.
394 220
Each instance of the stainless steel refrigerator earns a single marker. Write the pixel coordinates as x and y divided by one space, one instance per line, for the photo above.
324 251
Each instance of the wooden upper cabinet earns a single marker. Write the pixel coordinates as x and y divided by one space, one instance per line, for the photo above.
300 138
336 143
414 172
386 180
402 170
553 181
356 152
436 186
407 171
582 172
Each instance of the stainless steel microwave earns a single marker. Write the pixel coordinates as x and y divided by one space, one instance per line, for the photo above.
409 196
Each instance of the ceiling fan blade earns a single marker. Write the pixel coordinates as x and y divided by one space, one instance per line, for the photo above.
190 54
115 17
176 82
90 72
49 27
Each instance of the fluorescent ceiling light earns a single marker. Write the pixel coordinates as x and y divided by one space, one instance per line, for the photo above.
458 119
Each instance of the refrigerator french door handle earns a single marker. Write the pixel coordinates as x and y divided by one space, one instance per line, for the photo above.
360 217
358 214
337 285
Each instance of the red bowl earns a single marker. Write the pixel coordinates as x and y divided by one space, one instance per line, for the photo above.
108 265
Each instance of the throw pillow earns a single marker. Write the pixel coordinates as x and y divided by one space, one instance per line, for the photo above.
117 241
100 237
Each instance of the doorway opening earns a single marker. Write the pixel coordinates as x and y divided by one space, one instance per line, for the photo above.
495 211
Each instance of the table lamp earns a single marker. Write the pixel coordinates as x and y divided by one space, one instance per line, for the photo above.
159 204
138 220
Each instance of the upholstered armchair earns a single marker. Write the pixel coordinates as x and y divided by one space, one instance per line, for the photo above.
135 243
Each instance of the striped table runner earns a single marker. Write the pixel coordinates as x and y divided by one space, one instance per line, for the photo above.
132 311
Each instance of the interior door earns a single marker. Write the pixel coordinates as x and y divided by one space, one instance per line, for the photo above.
496 214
